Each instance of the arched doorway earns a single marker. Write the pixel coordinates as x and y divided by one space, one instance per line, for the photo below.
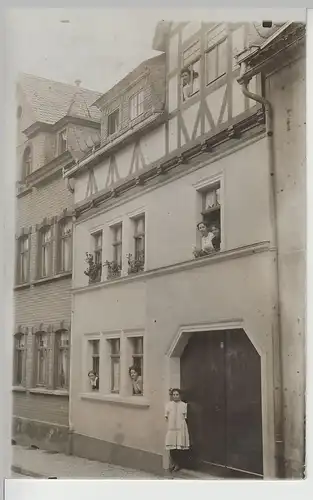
220 374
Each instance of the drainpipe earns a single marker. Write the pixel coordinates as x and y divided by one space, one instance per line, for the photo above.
277 333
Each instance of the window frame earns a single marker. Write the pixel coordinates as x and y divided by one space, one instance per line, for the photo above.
46 350
137 355
117 243
115 112
20 256
61 141
97 251
64 239
58 350
27 162
48 245
203 187
216 48
114 356
138 104
20 352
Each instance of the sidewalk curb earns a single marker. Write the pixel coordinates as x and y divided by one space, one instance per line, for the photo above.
28 473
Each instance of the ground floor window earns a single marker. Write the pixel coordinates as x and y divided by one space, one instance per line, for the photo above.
19 359
61 366
41 374
115 356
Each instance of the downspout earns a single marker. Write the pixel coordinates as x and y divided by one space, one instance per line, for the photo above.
277 332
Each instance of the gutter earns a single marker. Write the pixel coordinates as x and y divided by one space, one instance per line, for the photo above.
244 80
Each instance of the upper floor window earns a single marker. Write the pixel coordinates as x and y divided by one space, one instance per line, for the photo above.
19 359
190 74
115 267
113 122
45 252
216 58
27 162
23 259
97 242
136 261
136 104
62 142
65 245
210 225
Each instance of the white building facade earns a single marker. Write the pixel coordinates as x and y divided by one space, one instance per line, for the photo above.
182 143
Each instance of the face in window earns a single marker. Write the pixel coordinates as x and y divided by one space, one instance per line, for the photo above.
215 230
133 374
203 229
186 78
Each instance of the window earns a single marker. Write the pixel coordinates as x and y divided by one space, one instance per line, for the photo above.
45 252
95 355
117 244
115 357
136 105
23 259
211 214
136 261
41 359
62 142
216 61
190 74
62 360
113 122
65 245
27 163
137 357
19 359
97 243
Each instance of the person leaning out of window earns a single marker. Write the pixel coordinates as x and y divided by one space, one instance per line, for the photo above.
94 380
136 380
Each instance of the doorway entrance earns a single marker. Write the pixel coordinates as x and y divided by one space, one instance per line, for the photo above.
221 382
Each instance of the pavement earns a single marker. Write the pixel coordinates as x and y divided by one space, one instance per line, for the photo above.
33 463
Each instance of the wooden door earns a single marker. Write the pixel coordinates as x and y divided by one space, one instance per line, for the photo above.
202 381
244 407
221 382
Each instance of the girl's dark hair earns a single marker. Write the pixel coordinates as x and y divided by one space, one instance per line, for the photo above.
175 390
135 368
92 372
204 223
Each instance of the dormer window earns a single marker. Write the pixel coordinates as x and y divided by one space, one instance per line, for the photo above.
62 142
136 107
27 162
113 122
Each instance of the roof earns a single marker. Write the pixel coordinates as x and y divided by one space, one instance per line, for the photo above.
51 101
129 79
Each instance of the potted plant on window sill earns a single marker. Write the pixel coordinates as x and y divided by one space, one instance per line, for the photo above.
114 269
94 269
137 264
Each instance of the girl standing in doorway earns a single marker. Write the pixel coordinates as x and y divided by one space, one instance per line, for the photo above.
177 436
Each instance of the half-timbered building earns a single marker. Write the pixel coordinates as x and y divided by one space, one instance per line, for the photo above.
176 243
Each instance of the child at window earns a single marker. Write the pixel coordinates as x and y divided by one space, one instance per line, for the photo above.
94 380
177 436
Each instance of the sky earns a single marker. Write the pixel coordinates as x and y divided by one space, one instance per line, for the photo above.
99 47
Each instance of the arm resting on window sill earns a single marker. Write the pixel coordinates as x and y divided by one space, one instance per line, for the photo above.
140 402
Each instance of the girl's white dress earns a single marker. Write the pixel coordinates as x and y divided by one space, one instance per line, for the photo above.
177 436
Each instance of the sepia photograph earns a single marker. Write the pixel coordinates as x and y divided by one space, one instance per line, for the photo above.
159 326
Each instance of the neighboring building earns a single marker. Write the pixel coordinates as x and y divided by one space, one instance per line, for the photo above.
208 320
56 125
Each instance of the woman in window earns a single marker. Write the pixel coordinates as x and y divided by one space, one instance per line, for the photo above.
136 380
188 79
94 380
210 239
177 436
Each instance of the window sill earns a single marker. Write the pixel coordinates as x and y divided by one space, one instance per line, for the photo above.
22 286
48 392
18 388
135 401
55 277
